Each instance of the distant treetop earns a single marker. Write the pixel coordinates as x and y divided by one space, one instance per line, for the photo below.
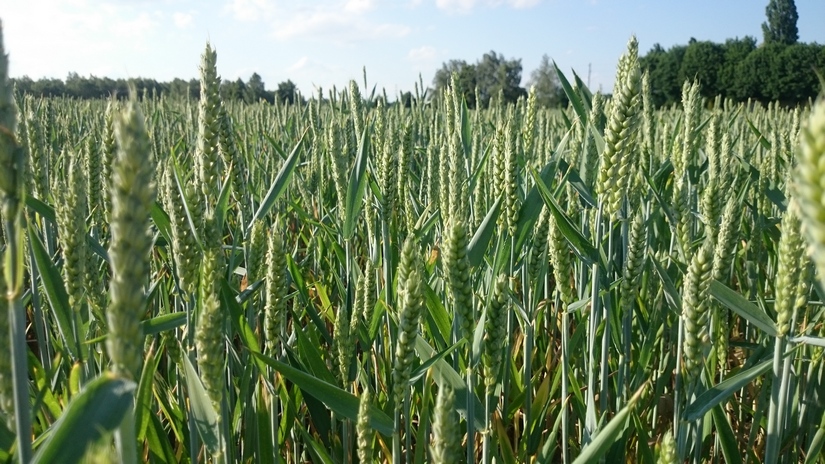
781 24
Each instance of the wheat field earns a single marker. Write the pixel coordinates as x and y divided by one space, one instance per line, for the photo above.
347 280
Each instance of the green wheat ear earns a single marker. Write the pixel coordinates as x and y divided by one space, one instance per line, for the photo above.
37 150
443 448
789 269
667 450
617 159
71 225
275 290
256 249
495 332
510 187
364 431
695 313
209 121
411 305
456 266
342 341
133 193
810 184
209 341
184 246
109 151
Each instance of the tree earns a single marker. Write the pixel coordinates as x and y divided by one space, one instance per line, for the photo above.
180 88
735 50
755 75
466 79
80 87
255 89
796 72
495 74
233 90
781 24
702 61
406 99
49 88
546 82
23 84
664 67
286 92
491 75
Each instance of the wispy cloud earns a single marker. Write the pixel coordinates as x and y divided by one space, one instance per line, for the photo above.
359 6
183 20
299 65
339 22
342 25
463 6
313 71
307 65
523 4
135 28
250 10
425 53
466 6
77 23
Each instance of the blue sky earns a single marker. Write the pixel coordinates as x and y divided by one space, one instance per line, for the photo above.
327 42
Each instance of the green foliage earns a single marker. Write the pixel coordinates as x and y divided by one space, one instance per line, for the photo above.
465 78
90 87
96 411
736 51
233 90
489 77
781 24
664 67
549 92
255 89
738 70
286 92
702 62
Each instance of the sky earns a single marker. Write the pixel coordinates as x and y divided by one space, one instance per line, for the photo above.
329 42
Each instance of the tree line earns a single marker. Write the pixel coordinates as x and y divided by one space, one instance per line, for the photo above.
80 87
737 69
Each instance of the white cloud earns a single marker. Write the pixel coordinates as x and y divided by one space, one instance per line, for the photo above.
457 5
250 10
340 26
306 65
29 39
523 4
183 20
89 32
309 69
466 6
299 65
359 6
336 21
425 53
135 28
